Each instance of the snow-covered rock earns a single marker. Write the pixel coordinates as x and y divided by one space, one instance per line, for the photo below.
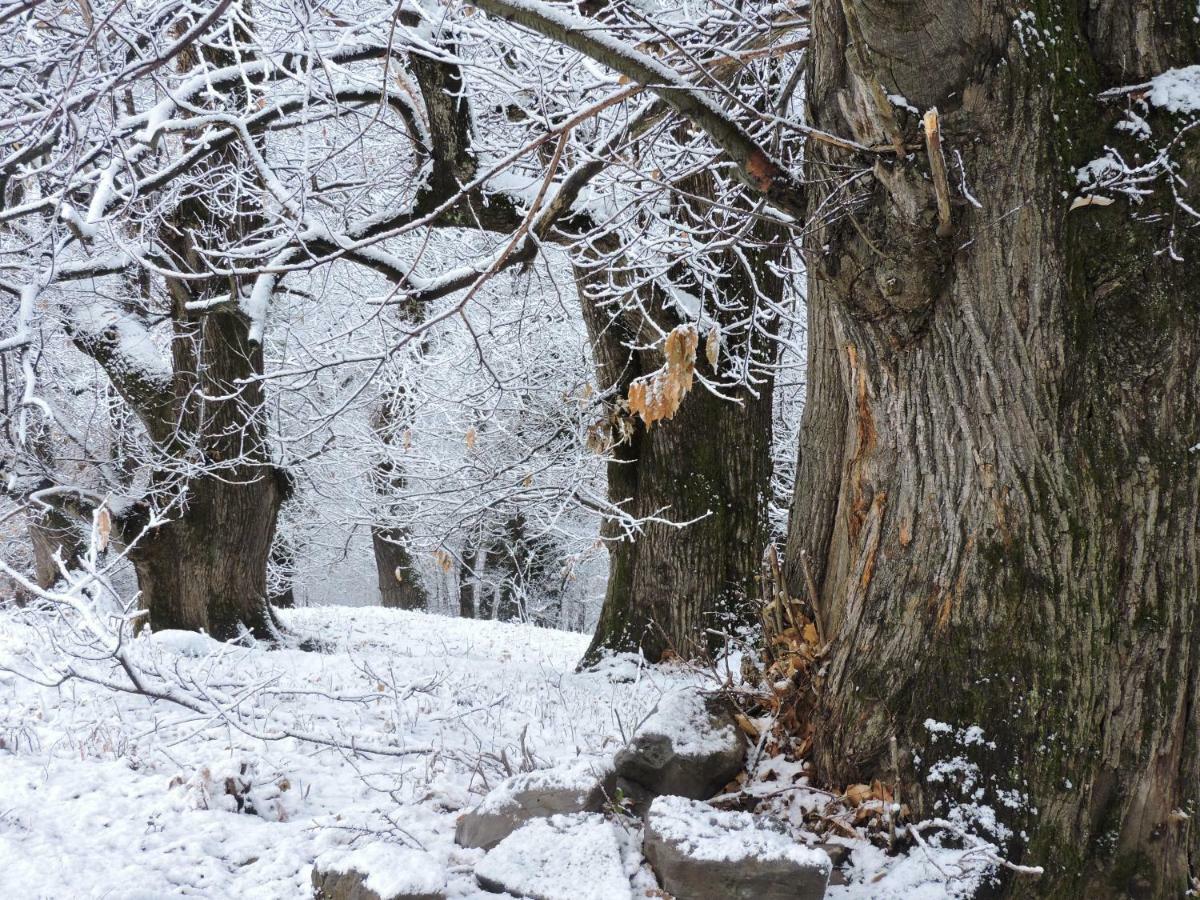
379 871
700 853
689 746
561 858
583 785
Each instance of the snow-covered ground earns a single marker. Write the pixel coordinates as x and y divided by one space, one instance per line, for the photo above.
112 795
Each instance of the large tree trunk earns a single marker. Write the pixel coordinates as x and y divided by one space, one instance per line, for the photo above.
995 498
673 587
206 567
206 570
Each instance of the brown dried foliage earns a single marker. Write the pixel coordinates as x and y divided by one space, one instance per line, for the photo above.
658 396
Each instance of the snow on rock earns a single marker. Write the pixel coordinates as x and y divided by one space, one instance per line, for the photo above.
583 785
689 746
1176 90
561 858
379 871
705 854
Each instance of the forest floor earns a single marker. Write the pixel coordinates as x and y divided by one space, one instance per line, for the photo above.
113 795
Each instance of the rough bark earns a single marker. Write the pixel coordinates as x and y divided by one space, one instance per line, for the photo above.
206 570
710 466
995 497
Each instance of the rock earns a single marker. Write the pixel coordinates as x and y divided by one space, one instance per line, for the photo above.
690 746
700 853
378 872
584 785
839 854
561 858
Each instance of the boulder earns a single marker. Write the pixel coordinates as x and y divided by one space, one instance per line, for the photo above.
378 872
583 785
700 853
573 857
689 746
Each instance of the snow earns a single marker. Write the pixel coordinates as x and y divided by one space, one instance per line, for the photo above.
561 858
580 775
683 718
185 643
132 341
109 795
112 795
709 834
391 869
1176 90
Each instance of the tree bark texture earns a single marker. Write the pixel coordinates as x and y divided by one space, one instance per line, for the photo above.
206 568
708 466
995 495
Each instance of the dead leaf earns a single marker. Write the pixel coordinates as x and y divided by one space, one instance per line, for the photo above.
471 436
103 528
659 396
712 346
857 794
1091 200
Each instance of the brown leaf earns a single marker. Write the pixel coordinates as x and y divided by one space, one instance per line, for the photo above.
658 396
748 727
712 346
471 436
103 528
857 794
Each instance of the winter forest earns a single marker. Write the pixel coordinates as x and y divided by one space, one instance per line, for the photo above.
600 449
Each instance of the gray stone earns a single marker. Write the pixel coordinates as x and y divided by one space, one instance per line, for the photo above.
560 858
378 872
580 786
699 853
690 746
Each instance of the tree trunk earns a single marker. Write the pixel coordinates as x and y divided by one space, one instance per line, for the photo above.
52 533
709 466
399 583
474 558
206 570
995 495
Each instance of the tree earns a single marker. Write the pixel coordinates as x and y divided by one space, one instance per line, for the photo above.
995 508
995 497
399 581
160 184
696 481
